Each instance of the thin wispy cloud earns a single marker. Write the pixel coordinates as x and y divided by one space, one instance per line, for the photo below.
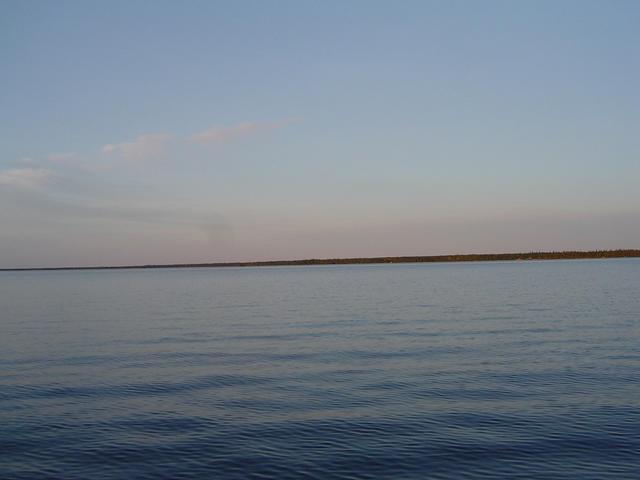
28 161
145 147
222 134
26 177
63 206
61 158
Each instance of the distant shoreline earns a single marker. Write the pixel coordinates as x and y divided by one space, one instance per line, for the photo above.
473 257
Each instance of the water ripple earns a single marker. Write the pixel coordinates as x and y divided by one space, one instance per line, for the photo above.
509 371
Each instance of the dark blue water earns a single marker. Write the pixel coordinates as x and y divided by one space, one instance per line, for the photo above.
464 371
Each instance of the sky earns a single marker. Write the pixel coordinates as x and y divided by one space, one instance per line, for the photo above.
138 132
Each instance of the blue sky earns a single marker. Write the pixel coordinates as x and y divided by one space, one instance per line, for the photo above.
162 132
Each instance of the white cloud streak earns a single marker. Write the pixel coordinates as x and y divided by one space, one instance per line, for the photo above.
151 146
26 177
145 147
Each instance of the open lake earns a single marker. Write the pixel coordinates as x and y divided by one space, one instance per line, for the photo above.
518 370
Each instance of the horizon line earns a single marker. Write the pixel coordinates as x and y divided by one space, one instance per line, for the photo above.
467 257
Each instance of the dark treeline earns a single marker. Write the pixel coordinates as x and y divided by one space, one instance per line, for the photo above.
475 257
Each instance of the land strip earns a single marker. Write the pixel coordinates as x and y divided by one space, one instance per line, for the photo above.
474 257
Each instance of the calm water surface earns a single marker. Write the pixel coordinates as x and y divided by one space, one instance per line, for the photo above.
474 370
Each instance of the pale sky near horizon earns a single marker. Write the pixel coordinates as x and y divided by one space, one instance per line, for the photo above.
138 132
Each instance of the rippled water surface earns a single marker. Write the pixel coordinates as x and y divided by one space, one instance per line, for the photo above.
473 370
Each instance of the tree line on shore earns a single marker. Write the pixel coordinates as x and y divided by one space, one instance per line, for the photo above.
473 257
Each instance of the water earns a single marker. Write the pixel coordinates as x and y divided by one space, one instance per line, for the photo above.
462 371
